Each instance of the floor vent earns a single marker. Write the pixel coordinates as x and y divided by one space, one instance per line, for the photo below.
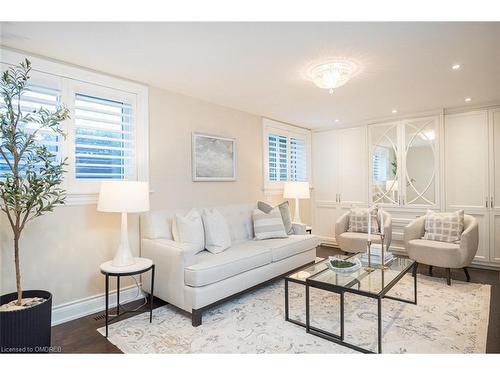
100 317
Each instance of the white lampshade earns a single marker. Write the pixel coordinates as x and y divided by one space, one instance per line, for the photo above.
123 196
296 189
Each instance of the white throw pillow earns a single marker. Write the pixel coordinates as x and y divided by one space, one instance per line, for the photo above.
189 229
268 225
217 237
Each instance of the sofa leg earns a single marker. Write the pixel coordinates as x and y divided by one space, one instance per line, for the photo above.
448 276
414 272
430 270
467 274
196 316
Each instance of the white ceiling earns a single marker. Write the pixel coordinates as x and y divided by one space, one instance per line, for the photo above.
257 67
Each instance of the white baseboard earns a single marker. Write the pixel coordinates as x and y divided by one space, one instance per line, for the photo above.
90 305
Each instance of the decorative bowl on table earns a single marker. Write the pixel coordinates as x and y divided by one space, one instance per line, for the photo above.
343 266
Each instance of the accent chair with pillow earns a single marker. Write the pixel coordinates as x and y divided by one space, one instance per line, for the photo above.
447 240
194 279
351 229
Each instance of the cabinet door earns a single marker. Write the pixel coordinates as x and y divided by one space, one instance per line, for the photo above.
325 160
352 167
495 186
466 171
420 174
495 237
385 162
466 160
325 183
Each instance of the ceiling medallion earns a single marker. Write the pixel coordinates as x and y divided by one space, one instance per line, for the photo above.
332 73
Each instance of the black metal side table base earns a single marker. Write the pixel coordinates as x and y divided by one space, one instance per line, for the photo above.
124 312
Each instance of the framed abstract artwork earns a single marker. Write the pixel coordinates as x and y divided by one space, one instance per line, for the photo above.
213 158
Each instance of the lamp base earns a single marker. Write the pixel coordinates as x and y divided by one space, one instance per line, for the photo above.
296 215
123 256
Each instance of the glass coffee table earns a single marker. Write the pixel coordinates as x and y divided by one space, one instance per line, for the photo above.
372 284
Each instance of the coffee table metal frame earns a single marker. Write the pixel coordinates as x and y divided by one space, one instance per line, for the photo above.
341 290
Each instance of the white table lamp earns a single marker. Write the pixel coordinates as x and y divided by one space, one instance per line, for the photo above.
123 197
297 190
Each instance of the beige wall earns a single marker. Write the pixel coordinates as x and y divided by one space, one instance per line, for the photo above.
173 118
61 252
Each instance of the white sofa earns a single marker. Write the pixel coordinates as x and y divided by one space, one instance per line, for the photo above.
195 282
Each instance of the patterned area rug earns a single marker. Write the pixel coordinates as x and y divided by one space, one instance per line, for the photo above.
447 319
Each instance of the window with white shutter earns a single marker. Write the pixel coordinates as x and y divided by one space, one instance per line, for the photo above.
104 139
278 157
34 98
106 136
298 159
287 151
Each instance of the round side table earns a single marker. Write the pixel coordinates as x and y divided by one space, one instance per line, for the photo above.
141 265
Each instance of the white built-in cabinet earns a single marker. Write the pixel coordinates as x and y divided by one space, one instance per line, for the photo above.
341 179
472 147
439 162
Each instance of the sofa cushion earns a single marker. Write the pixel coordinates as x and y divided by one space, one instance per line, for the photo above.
240 257
217 237
354 242
282 248
435 253
268 225
239 220
189 229
285 214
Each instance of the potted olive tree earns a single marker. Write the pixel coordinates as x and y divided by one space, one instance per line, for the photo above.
29 188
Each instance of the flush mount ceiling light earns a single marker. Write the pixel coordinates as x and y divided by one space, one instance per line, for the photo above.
455 66
468 99
332 73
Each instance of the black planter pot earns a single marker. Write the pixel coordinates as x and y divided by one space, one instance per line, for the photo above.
27 330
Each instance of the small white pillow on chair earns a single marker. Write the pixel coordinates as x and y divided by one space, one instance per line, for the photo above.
189 229
217 237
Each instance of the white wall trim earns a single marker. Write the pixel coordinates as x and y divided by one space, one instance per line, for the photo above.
90 305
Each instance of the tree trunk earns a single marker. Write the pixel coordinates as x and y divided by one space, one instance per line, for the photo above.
18 270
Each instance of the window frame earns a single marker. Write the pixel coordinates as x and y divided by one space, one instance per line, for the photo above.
72 79
272 127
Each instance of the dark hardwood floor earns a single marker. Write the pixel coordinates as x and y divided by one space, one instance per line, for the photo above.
81 336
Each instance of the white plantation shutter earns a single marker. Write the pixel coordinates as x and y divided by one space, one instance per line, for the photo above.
278 157
104 139
34 98
287 158
380 157
298 160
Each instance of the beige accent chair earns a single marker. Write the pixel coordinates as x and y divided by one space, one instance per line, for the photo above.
355 242
442 254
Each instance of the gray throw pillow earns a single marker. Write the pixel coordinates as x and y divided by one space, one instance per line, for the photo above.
264 207
268 225
285 213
